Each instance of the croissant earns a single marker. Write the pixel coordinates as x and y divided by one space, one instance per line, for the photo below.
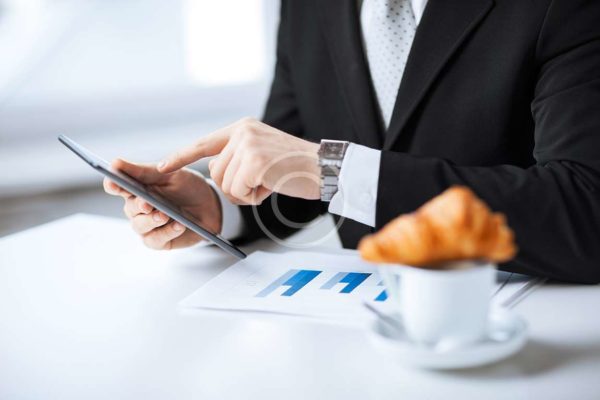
454 226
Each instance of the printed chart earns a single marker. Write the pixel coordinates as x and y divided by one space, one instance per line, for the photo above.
332 286
311 284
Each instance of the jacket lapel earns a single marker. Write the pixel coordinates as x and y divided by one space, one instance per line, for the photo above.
443 27
340 22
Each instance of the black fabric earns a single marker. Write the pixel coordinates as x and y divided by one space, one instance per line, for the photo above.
502 96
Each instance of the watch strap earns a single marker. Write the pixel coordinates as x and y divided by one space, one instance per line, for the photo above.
331 156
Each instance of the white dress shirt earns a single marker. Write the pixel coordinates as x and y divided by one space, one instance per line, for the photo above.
356 197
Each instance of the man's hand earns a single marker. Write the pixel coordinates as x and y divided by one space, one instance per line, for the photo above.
185 188
253 160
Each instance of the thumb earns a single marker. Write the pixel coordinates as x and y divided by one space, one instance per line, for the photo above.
207 146
145 173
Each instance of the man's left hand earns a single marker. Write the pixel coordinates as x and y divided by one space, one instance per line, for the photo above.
253 160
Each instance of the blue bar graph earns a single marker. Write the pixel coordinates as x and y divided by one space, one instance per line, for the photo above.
353 279
295 279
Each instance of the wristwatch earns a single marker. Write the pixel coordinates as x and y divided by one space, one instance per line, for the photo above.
331 155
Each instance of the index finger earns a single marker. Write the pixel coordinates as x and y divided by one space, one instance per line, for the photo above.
207 146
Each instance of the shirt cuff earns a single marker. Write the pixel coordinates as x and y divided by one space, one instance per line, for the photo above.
356 197
232 221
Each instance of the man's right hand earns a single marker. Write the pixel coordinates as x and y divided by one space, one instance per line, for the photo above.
185 188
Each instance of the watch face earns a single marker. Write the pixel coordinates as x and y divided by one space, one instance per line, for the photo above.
332 149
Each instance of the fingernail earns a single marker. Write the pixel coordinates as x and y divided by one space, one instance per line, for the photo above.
177 226
157 217
162 164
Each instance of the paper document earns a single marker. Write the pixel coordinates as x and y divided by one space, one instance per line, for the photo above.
300 283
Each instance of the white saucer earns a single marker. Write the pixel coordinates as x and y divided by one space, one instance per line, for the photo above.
507 335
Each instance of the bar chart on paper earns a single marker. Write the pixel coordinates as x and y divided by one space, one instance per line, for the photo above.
311 284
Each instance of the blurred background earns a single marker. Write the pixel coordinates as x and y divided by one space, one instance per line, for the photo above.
130 78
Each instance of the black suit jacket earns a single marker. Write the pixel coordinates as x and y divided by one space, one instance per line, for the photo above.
500 95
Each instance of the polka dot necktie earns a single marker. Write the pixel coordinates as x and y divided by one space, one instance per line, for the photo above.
388 28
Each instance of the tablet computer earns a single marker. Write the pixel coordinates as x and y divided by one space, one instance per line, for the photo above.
152 197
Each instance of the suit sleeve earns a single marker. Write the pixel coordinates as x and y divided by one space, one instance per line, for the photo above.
281 215
553 206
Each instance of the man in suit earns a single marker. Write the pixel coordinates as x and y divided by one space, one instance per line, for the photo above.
497 95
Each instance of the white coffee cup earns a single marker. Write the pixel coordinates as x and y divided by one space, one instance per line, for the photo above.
442 306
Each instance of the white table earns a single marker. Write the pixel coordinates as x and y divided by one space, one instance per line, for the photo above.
86 315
